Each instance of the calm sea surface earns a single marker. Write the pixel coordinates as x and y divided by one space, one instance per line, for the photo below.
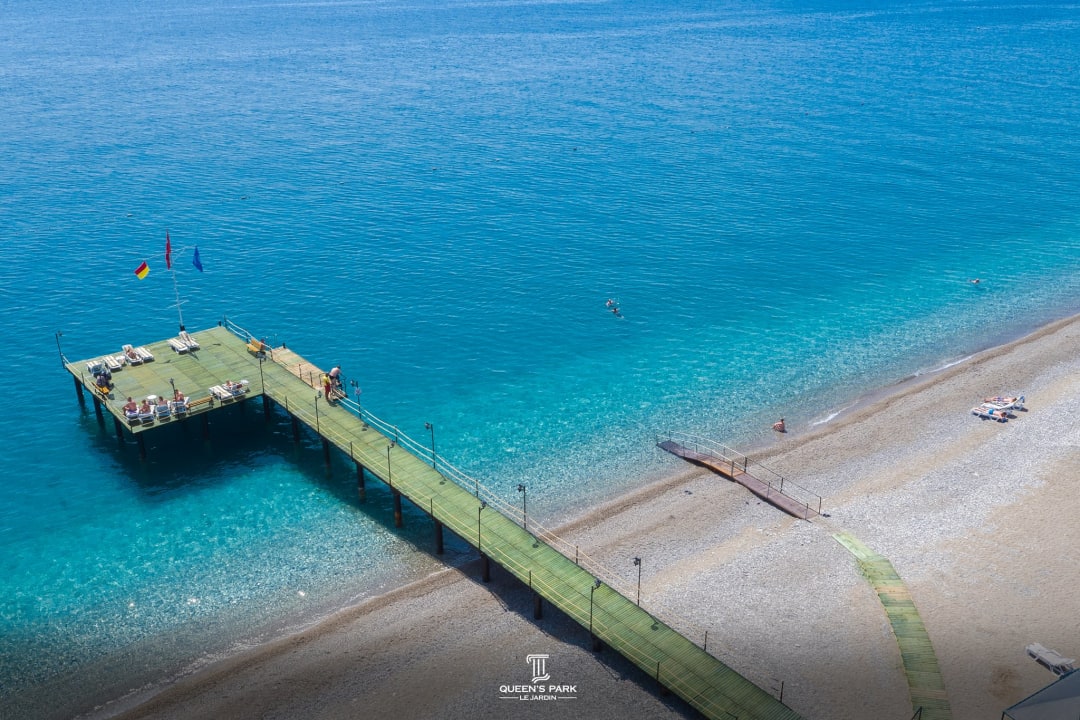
787 200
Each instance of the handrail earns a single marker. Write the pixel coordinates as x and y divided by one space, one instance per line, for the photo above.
736 460
378 462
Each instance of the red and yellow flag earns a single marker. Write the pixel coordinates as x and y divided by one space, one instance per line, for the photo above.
142 271
168 253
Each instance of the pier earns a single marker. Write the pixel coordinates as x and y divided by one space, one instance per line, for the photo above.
767 484
556 572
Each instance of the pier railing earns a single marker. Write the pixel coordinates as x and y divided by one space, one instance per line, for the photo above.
301 408
734 461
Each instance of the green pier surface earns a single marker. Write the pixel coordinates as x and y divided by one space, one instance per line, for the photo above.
707 684
925 685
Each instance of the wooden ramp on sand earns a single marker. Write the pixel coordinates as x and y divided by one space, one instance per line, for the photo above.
773 489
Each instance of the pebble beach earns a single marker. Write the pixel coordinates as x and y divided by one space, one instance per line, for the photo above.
974 515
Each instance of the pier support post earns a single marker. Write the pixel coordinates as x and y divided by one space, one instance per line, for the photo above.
119 429
97 410
538 606
295 430
360 490
326 451
142 445
79 391
438 538
597 646
397 509
485 568
266 407
206 426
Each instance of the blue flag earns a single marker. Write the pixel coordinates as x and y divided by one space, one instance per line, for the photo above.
196 261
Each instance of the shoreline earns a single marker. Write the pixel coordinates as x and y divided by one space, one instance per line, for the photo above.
736 539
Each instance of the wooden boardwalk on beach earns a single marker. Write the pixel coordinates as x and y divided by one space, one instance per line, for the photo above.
925 684
726 462
523 549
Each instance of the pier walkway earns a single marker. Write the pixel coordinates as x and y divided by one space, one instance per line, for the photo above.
577 586
763 482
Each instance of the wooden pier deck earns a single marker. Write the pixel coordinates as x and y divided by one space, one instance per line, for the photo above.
727 463
678 664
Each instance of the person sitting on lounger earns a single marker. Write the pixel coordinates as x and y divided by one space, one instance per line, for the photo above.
131 408
145 407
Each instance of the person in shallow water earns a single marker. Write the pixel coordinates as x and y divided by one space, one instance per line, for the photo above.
779 426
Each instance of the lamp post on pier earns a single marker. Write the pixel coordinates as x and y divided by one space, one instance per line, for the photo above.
637 561
431 427
359 409
479 536
592 591
524 506
317 396
389 474
262 381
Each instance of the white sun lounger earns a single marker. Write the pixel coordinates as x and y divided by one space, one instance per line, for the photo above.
132 357
145 354
1005 403
187 339
1052 660
988 413
223 393
178 345
114 362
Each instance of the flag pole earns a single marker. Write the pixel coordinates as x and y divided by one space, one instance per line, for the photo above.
176 288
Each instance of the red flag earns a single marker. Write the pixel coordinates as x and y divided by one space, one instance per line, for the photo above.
168 252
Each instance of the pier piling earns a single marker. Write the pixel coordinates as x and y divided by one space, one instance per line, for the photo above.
360 490
397 509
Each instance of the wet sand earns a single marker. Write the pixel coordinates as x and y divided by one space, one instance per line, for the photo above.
976 516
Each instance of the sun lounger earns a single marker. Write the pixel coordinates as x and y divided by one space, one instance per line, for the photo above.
114 362
1008 403
230 390
132 416
146 417
178 407
145 354
178 345
187 339
95 367
989 413
221 393
132 357
1052 660
162 411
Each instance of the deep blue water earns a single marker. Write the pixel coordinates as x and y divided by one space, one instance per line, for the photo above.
788 201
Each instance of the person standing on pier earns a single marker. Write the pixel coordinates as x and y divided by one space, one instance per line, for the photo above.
327 388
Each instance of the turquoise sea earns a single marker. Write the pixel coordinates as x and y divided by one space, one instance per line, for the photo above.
788 200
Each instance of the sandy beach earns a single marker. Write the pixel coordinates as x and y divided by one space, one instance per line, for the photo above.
976 516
